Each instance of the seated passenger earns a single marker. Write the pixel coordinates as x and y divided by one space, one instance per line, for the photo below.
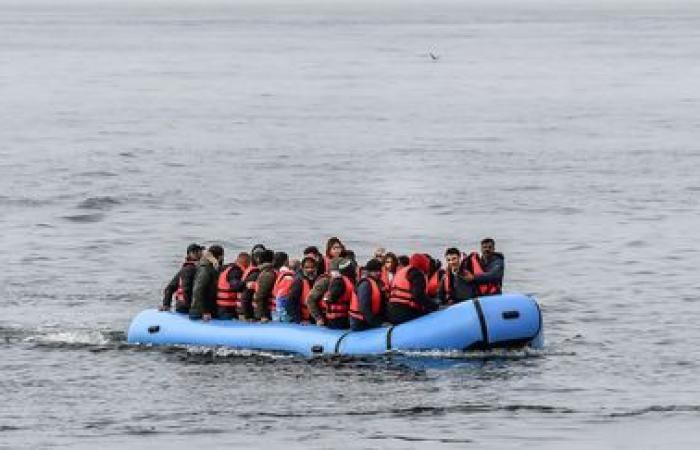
336 301
181 284
313 252
485 271
205 284
250 276
263 300
334 248
435 275
379 253
230 286
314 301
391 265
453 288
297 308
283 285
368 301
404 261
408 299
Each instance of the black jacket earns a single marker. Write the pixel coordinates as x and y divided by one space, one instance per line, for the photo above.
364 297
204 291
187 272
493 270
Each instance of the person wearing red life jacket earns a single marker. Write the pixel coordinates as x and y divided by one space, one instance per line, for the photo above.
368 302
314 301
389 268
408 299
205 284
230 286
453 287
435 275
250 276
336 301
284 311
312 251
334 249
303 282
485 271
263 300
181 284
404 261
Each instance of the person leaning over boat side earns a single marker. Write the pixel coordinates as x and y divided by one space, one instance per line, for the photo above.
229 286
453 287
263 301
336 300
485 271
314 301
181 284
250 276
334 248
408 299
205 281
368 300
300 289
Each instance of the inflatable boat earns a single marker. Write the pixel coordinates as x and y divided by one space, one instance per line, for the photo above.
510 320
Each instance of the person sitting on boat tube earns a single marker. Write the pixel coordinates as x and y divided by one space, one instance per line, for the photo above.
263 300
336 301
453 287
485 271
368 301
181 284
408 299
205 281
230 285
297 309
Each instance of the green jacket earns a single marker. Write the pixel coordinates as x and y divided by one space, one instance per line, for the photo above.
205 281
316 295
263 293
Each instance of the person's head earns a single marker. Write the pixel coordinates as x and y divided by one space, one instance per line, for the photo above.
294 265
217 252
255 253
334 247
308 266
420 262
403 261
453 258
280 259
243 260
379 253
391 262
347 268
349 254
266 256
311 250
194 252
373 268
488 247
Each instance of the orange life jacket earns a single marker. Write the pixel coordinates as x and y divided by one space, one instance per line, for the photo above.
180 292
447 286
305 290
225 296
340 308
248 272
434 283
385 280
401 290
283 283
485 288
355 311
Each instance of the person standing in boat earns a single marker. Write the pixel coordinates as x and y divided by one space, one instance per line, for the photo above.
453 288
181 284
408 299
230 286
368 301
485 271
300 289
263 300
336 300
205 284
334 249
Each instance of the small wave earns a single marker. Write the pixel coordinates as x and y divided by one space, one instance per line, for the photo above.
100 203
97 174
85 218
657 409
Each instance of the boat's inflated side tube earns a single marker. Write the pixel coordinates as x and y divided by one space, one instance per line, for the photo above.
487 322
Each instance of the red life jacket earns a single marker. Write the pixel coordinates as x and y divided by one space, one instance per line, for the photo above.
385 280
355 311
326 264
401 290
304 308
340 308
283 283
225 296
434 283
485 288
447 286
248 272
180 292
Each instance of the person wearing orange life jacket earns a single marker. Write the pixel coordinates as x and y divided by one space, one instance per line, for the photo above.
181 284
263 298
286 274
250 276
408 299
230 286
435 275
312 251
368 301
336 301
453 287
390 266
334 249
301 286
485 271
314 301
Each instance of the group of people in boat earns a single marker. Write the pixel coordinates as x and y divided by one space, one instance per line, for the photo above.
329 289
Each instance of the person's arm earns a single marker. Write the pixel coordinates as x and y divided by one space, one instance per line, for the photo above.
494 273
313 300
169 291
187 274
418 290
266 282
442 292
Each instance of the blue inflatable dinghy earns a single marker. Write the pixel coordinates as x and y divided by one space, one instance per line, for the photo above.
510 320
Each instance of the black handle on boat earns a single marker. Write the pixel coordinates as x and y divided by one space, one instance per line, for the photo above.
509 315
154 329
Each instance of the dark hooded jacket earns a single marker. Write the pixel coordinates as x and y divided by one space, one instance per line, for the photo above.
204 291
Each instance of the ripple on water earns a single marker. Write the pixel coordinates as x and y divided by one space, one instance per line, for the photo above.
98 203
84 218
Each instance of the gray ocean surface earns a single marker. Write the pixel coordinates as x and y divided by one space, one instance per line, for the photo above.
568 132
